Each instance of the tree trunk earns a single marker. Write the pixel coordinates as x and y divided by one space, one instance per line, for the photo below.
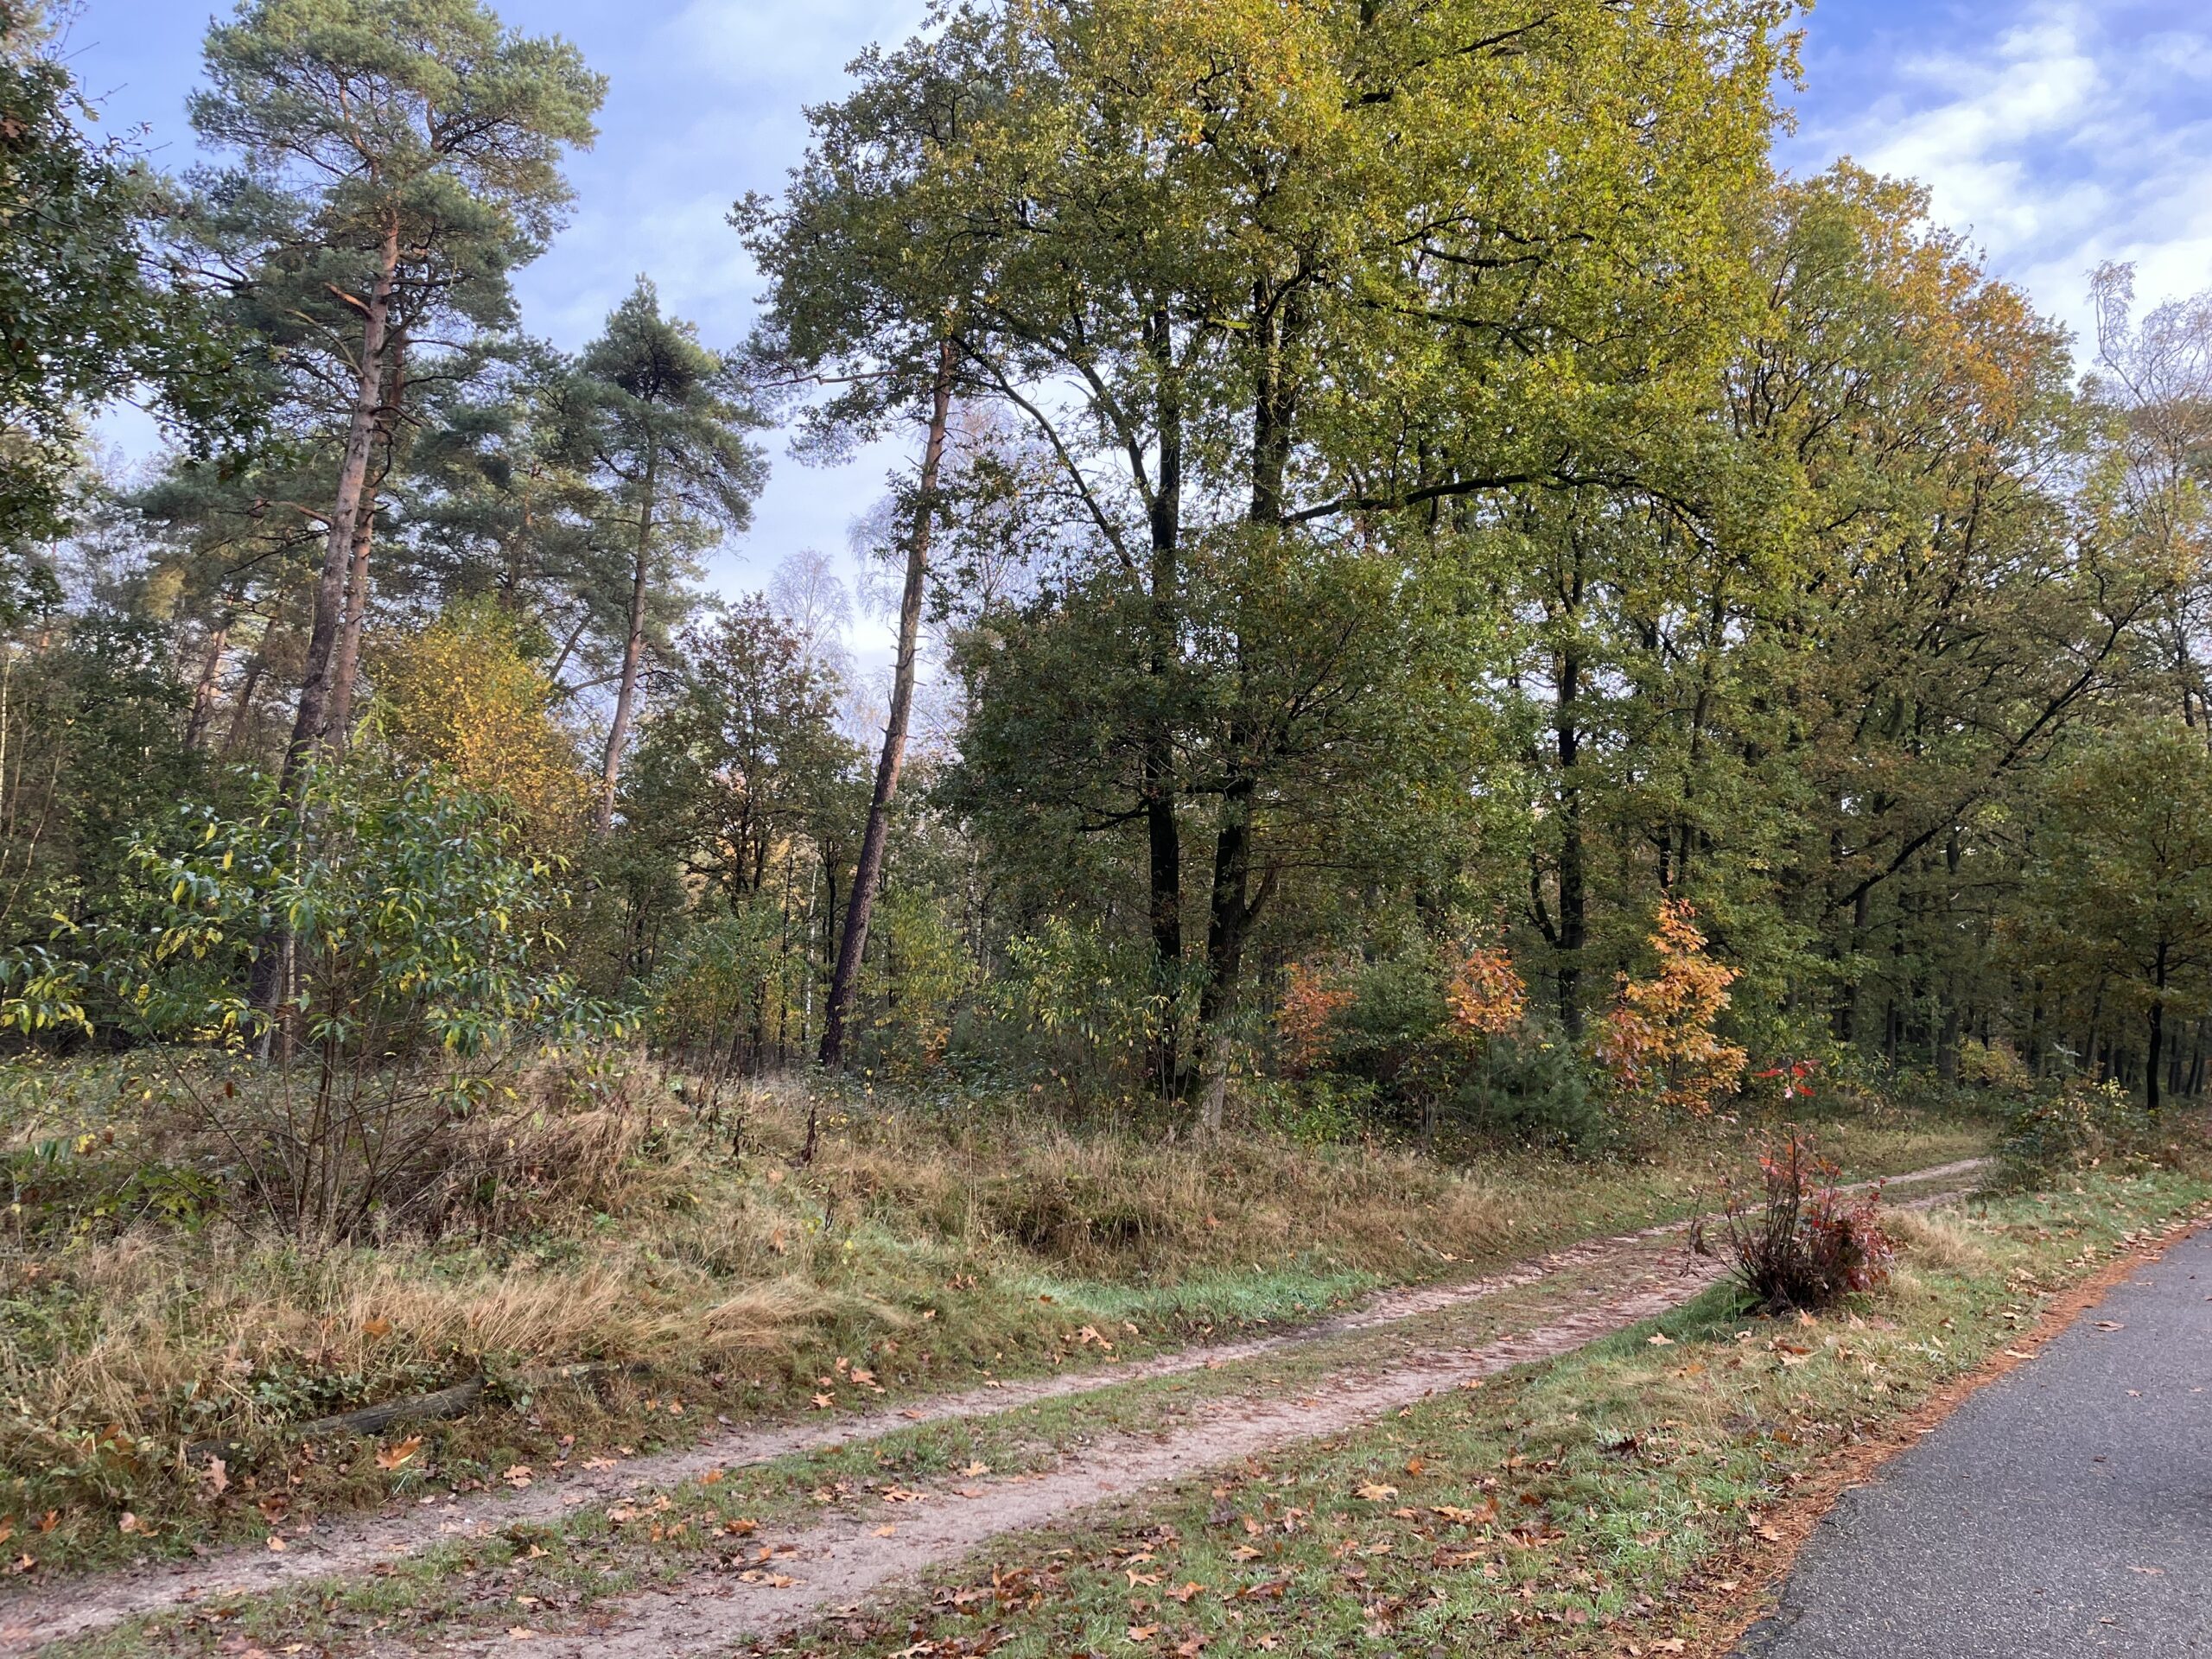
1573 886
1162 833
310 731
858 908
1231 908
1230 914
211 671
269 983
634 648
2156 1035
346 667
242 711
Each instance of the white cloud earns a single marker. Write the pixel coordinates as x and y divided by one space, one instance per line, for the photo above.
2080 134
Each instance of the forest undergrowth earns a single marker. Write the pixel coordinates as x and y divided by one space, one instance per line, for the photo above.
628 1267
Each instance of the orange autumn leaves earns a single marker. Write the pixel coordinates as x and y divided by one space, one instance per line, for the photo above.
1658 1043
1484 996
1311 1001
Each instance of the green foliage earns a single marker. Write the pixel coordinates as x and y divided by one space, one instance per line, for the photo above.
724 982
87 313
2067 1125
415 926
1082 1007
88 757
354 121
1533 1088
418 972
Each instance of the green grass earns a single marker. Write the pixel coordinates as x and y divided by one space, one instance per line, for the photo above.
1566 1508
1711 1435
931 1249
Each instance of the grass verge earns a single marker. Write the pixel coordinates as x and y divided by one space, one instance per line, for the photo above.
1597 1504
702 1274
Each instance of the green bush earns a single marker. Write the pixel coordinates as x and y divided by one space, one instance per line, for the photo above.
2067 1125
1531 1088
1317 1111
415 982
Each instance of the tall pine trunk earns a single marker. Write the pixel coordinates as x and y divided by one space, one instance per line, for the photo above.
861 904
310 726
634 647
269 984
346 670
210 671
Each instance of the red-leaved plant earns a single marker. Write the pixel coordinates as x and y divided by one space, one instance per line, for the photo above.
1800 1241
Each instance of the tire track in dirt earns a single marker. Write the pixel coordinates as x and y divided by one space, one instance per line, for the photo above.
351 1544
841 1562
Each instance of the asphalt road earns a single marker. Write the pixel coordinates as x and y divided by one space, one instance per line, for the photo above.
2064 1511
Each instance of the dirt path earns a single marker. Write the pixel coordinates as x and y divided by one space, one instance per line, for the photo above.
844 1559
838 1563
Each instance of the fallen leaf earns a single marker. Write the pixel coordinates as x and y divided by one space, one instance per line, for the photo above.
885 1532
975 1469
1184 1593
217 1475
276 1543
130 1522
376 1327
517 1477
1375 1492
822 1401
1143 1632
1659 1339
393 1456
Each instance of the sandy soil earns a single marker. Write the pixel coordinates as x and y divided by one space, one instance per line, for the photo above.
1642 1273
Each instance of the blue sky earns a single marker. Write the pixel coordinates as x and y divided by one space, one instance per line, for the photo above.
2058 133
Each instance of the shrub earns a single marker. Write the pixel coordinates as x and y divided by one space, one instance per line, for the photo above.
2068 1124
1801 1242
1315 1111
1084 1008
1659 1041
1529 1086
413 990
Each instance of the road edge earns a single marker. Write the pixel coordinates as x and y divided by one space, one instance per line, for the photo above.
1755 1570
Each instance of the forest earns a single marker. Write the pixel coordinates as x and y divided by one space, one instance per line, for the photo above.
1450 638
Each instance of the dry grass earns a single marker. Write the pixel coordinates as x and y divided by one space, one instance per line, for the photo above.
606 1220
1937 1240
